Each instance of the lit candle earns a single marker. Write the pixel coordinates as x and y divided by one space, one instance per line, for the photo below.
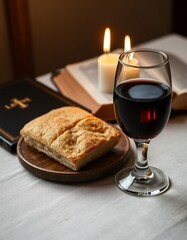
107 64
130 72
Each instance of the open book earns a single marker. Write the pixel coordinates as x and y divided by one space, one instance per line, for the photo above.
79 81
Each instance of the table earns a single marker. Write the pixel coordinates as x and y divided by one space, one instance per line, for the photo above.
32 208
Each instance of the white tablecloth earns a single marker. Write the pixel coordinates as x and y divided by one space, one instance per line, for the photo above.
32 208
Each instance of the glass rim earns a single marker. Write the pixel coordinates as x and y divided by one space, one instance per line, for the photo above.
166 57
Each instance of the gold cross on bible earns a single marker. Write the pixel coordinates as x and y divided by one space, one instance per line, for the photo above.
21 103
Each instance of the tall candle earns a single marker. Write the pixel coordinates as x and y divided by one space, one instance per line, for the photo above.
107 64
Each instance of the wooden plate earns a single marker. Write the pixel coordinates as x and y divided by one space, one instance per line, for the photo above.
44 167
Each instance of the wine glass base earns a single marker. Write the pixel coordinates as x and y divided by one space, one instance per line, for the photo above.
156 185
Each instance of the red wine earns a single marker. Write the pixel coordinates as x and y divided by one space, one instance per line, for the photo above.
142 108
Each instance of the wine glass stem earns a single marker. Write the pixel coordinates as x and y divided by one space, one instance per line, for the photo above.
142 172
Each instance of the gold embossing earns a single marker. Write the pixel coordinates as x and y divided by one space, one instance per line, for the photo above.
21 103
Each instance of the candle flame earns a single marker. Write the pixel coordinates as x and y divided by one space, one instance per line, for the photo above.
127 43
106 45
127 46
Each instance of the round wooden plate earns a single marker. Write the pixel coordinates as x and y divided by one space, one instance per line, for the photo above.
44 167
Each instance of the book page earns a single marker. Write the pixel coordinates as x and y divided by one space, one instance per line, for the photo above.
178 73
176 47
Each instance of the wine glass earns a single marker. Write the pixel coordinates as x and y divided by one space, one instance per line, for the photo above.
142 105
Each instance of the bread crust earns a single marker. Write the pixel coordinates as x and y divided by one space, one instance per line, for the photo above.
71 136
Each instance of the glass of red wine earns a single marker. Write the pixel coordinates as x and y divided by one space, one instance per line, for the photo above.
142 105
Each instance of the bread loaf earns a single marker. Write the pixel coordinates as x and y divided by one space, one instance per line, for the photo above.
71 136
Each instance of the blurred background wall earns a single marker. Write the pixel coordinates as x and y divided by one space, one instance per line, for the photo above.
66 31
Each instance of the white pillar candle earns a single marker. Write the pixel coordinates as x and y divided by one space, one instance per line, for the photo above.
131 72
107 64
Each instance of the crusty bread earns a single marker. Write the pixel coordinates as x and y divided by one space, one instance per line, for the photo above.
71 136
